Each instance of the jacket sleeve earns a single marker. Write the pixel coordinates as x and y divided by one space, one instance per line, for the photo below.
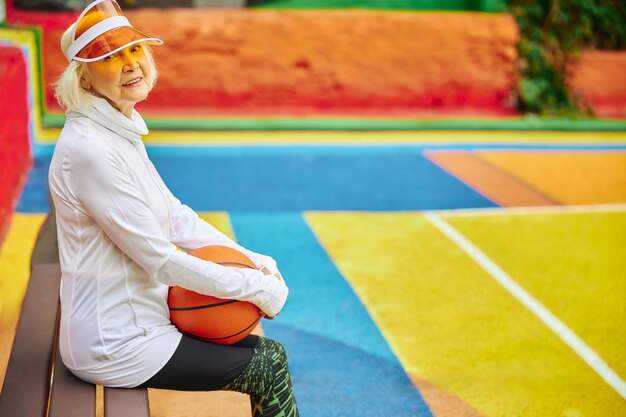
102 184
189 231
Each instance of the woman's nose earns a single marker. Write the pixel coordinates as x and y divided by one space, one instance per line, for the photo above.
130 62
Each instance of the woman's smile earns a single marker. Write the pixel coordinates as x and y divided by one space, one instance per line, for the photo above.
135 82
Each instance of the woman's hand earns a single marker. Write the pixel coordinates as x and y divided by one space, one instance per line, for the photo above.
265 316
277 276
264 262
268 272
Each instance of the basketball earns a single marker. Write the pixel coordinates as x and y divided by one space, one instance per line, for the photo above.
209 318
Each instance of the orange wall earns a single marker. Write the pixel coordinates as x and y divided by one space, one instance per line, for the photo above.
600 78
325 62
240 62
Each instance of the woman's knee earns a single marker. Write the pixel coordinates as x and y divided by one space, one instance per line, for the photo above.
274 349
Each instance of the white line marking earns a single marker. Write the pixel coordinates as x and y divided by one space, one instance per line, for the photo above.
557 326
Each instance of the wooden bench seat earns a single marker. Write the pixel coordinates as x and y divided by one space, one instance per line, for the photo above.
36 382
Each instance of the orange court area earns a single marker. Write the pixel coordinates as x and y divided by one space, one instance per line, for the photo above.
540 178
571 178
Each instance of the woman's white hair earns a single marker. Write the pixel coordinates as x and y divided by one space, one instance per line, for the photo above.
68 90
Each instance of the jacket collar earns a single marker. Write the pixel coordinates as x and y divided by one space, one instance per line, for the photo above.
101 112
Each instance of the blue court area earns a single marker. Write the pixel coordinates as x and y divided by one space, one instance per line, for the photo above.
294 179
338 352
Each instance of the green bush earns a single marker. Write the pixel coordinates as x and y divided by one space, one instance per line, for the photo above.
553 32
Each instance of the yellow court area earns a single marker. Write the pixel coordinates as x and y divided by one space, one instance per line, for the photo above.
221 221
573 263
15 254
450 323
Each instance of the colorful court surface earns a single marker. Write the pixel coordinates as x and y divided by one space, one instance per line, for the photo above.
425 280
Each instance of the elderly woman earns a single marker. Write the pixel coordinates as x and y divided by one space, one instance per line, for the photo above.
118 228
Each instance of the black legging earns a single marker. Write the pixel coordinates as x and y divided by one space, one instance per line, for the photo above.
256 366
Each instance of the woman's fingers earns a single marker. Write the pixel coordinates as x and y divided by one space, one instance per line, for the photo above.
265 316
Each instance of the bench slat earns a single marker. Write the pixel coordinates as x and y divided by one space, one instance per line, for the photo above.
27 383
126 402
70 396
27 380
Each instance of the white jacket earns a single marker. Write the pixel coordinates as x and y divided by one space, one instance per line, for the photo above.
118 225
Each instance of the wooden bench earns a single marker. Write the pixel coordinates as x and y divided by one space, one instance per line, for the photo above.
37 384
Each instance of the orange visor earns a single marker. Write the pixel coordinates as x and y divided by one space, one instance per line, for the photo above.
101 30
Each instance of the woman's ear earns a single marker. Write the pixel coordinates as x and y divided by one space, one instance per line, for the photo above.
85 83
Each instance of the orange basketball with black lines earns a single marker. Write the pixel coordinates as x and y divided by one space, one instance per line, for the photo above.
210 318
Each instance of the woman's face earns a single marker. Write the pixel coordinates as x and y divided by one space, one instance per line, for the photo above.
122 78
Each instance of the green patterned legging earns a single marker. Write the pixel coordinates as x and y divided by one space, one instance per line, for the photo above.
268 382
